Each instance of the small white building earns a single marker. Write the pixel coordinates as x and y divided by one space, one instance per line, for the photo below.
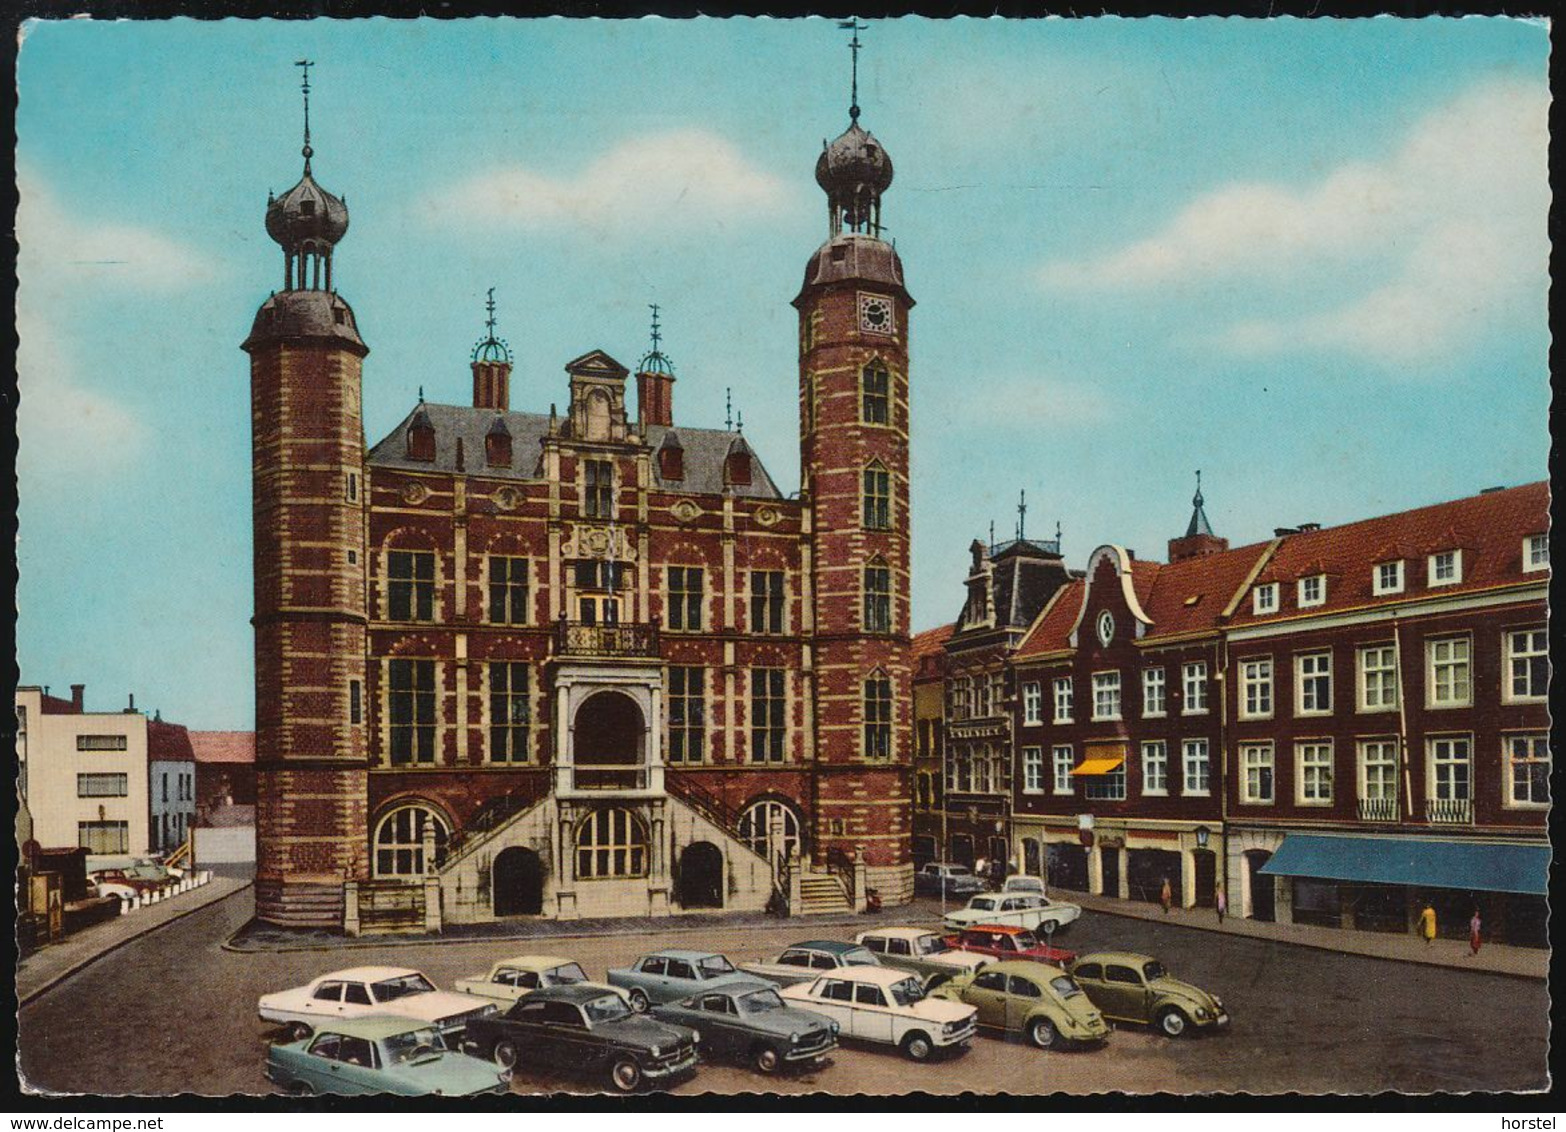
83 775
171 784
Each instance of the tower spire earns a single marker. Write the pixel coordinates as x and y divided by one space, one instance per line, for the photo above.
853 46
1199 524
490 348
1022 512
304 66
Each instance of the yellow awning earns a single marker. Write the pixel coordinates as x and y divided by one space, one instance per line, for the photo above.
1099 766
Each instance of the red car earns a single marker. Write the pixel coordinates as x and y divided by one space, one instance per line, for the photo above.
1005 942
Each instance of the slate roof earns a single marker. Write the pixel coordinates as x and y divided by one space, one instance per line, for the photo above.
705 450
168 742
224 746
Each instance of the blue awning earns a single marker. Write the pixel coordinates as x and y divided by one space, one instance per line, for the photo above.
1475 866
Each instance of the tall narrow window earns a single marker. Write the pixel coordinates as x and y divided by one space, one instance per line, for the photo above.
877 503
766 715
1256 688
687 706
1155 767
1032 703
1152 692
1256 767
875 394
1451 769
1529 778
510 712
1313 683
1061 759
355 702
412 710
1448 672
1377 678
1062 691
1536 553
1196 765
1033 770
1194 676
410 585
508 591
878 599
878 718
1106 695
598 489
766 601
685 597
1527 665
1378 778
1313 773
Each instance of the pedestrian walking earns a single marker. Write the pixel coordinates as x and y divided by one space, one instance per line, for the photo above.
1166 896
1427 924
1223 905
1474 926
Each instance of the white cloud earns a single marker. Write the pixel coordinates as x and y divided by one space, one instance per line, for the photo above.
680 177
66 427
1405 259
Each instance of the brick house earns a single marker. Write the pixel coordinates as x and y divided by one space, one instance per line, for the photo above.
928 657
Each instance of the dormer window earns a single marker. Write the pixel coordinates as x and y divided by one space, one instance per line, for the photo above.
1264 599
736 469
671 463
1536 553
1446 568
421 439
1387 578
497 445
1312 591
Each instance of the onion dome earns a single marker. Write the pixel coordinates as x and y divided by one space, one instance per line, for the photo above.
855 159
306 217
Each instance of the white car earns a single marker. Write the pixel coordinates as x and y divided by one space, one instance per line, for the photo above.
1020 884
883 1004
925 953
361 991
1037 912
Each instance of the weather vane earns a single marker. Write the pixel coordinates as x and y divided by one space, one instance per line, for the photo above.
856 27
490 348
728 409
1022 512
655 361
304 66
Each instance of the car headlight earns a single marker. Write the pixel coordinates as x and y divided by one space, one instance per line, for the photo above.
1201 1012
696 1036
793 1039
834 1028
1217 1003
656 1052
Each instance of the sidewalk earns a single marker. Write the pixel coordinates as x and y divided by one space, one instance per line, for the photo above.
58 961
1495 958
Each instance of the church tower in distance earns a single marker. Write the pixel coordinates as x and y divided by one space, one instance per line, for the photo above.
854 426
307 446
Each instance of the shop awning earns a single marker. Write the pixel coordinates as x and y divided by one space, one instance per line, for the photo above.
1099 766
1476 866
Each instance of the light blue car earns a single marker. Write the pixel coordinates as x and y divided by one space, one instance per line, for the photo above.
380 1054
665 976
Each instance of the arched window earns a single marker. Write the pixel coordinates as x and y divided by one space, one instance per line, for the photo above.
755 828
878 597
611 843
878 717
399 841
875 394
876 503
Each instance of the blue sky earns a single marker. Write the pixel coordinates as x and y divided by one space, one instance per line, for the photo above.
1307 257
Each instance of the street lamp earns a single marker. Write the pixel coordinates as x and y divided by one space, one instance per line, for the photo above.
1202 834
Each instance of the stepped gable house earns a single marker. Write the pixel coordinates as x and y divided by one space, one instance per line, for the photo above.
586 663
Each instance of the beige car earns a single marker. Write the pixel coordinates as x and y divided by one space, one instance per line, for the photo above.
1040 1002
1135 988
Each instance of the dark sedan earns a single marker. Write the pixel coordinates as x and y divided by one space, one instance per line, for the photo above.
750 1022
584 1029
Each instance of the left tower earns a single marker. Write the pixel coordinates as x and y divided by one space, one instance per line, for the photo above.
307 469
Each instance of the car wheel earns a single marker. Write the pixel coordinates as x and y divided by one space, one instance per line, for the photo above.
765 1059
505 1055
639 1001
300 1089
298 1031
626 1075
1171 1022
1042 1033
917 1046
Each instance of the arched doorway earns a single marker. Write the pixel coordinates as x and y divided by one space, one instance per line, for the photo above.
700 880
1262 892
755 829
608 743
517 882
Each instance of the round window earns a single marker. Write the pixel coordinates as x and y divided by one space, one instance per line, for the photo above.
1106 627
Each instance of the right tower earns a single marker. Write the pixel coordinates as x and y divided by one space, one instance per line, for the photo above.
854 427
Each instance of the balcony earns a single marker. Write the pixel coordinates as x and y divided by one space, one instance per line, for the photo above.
611 778
1449 811
1378 809
579 639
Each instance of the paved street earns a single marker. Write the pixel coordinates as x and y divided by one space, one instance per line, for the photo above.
180 1013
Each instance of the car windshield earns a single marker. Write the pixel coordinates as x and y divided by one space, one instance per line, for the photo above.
1065 986
390 989
415 1045
1154 970
714 965
907 992
1026 940
957 871
609 1008
565 975
982 904
931 945
759 1002
860 957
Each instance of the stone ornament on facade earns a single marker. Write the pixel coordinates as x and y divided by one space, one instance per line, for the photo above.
767 516
687 511
414 494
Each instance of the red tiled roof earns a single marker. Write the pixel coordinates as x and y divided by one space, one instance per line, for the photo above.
1211 579
224 746
168 742
1052 630
1489 529
930 641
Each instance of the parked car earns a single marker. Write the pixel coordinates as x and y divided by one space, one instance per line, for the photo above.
1023 997
114 888
380 1054
927 954
750 1022
1135 988
122 878
805 961
1036 912
511 979
885 1005
1006 941
1033 886
671 974
585 1030
362 991
956 880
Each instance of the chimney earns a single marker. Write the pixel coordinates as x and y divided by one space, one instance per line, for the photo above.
492 384
78 697
654 399
131 707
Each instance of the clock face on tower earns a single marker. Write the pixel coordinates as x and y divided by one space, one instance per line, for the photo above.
875 314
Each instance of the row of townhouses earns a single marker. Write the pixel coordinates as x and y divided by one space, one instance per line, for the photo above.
1332 726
